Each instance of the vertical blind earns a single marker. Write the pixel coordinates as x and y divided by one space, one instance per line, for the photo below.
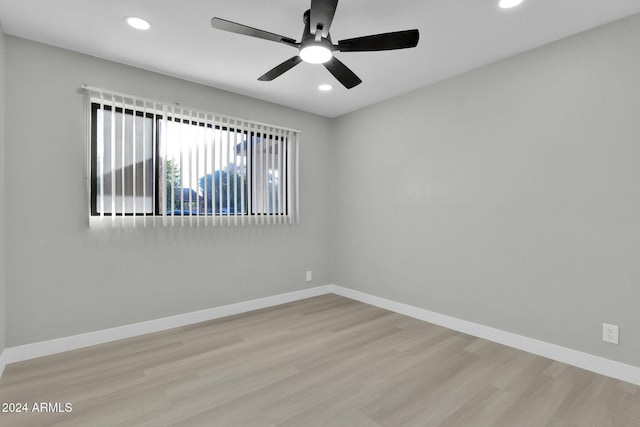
155 163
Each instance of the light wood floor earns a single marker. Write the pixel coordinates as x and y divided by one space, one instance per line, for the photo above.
322 361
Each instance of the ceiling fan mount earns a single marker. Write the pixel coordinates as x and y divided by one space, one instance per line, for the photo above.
316 46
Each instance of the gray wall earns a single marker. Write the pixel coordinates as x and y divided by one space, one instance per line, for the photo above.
507 196
64 278
2 163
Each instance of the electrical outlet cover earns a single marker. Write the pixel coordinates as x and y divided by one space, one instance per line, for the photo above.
610 333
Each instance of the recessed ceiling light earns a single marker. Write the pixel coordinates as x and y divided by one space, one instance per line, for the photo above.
138 23
507 4
325 88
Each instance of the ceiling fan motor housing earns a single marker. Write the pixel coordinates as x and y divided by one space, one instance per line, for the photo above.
314 48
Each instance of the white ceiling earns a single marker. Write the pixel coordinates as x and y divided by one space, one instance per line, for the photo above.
455 36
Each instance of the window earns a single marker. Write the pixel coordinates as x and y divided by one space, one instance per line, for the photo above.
150 160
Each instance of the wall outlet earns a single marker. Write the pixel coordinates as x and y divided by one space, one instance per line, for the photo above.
610 333
309 276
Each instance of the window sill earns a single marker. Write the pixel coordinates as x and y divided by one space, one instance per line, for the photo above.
150 221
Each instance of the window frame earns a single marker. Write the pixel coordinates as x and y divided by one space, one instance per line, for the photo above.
263 203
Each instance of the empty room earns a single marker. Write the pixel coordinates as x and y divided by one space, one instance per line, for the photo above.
320 213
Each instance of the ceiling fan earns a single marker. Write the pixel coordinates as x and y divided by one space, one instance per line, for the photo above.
316 46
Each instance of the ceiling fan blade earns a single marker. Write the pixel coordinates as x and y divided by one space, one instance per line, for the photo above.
233 27
386 41
322 12
280 69
342 73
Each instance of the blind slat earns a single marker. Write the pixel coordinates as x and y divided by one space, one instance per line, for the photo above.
100 143
144 164
279 168
205 183
234 156
251 177
218 175
133 163
168 198
230 171
179 171
122 165
244 169
289 175
270 175
112 170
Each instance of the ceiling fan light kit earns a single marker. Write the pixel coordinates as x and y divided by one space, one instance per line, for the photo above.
316 46
316 53
508 4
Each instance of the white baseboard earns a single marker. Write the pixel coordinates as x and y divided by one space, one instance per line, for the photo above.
59 345
576 358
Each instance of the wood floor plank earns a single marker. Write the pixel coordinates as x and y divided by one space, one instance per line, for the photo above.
326 360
